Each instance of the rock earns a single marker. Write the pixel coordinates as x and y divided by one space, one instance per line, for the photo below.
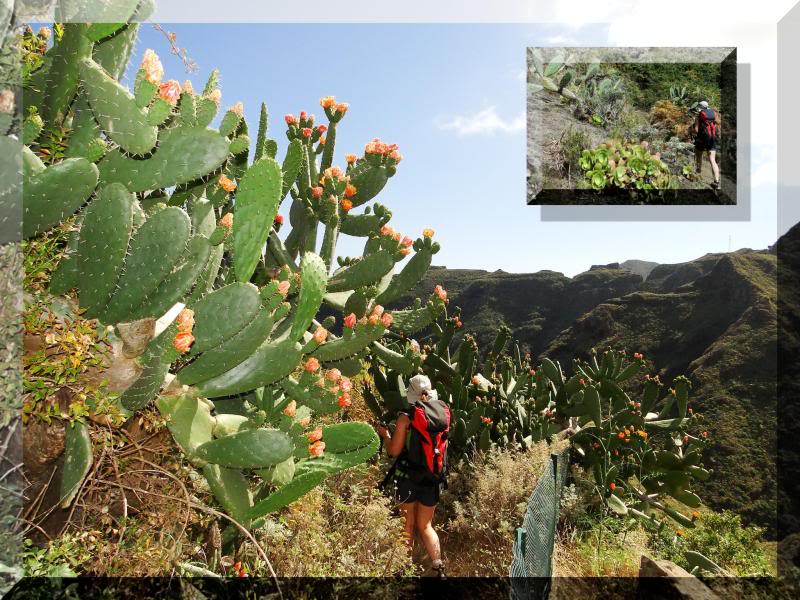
662 579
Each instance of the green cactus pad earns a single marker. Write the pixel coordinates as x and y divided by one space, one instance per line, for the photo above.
84 130
105 234
248 449
116 111
292 165
78 461
206 111
268 364
99 31
228 354
257 199
280 474
65 276
349 367
318 399
52 195
346 445
411 274
223 313
366 271
342 348
182 155
63 73
155 369
412 320
230 488
31 164
155 249
361 225
285 495
188 419
261 136
227 424
313 278
369 181
392 359
113 53
178 282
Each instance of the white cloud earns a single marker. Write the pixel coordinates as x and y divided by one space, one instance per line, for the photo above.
484 122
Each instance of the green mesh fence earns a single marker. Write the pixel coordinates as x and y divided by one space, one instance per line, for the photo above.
531 568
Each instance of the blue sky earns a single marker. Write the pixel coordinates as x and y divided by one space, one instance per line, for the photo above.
453 98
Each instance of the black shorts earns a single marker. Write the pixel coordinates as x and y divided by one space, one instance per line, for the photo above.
703 145
424 493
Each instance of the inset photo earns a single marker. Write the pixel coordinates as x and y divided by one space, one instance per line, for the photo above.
646 126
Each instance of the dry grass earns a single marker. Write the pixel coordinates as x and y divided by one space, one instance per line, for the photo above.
484 505
343 528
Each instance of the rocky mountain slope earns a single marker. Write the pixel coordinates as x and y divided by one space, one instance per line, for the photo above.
713 318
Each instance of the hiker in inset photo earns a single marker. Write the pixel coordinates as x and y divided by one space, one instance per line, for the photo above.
706 130
419 443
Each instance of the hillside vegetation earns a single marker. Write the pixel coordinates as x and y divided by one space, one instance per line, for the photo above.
713 318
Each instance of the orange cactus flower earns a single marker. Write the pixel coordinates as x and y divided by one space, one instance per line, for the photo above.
612 486
350 321
316 449
314 436
283 288
185 320
347 205
311 365
153 69
320 335
346 384
440 292
341 107
327 101
621 435
428 232
350 190
333 375
344 400
350 158
226 183
170 91
183 341
387 319
226 221
290 409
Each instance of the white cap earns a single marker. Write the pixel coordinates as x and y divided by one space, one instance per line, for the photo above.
418 385
704 104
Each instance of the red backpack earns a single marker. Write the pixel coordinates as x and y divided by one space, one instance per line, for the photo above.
425 458
708 124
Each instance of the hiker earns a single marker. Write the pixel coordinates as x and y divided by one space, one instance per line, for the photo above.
419 443
705 131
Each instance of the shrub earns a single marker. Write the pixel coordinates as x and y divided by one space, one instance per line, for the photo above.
484 503
344 528
673 119
721 537
573 143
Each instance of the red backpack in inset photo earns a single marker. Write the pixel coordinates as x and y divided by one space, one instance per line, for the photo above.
708 125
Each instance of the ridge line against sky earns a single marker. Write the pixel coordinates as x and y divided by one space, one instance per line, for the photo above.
453 97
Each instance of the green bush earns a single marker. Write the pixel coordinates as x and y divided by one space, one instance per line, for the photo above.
651 82
721 537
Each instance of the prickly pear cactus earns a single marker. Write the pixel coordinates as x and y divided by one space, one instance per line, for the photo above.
634 440
177 235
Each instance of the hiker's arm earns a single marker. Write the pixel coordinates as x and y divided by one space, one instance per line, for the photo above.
396 441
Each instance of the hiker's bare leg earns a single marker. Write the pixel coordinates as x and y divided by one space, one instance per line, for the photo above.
698 160
712 157
426 531
409 511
